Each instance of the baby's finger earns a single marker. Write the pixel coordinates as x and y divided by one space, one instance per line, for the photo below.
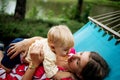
41 55
41 51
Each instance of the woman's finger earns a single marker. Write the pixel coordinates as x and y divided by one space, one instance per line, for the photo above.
11 51
10 48
12 44
25 54
13 55
41 51
41 55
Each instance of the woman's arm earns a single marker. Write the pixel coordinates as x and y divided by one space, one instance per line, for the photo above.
36 59
29 73
22 46
62 74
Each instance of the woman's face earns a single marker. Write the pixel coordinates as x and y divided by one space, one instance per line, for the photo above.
78 61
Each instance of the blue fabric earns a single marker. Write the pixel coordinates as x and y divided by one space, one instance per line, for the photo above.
91 38
10 63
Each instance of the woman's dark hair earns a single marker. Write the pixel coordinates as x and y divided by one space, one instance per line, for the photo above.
96 68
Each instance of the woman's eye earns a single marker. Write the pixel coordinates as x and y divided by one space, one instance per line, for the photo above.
78 61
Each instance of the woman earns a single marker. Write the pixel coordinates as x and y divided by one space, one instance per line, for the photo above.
86 65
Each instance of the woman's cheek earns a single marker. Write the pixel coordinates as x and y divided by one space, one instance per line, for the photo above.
72 65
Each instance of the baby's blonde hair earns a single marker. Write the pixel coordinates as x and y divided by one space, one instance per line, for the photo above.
61 35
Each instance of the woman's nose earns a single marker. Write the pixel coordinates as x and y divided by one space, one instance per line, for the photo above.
77 56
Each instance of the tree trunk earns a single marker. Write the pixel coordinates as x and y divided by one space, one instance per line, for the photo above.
20 9
79 9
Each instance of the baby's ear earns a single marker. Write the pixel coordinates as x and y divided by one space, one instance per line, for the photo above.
52 46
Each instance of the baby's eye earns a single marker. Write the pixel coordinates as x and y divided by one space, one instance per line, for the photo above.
66 50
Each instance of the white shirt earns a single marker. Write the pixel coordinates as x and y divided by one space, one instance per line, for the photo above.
49 58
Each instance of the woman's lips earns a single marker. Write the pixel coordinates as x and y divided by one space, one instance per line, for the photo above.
70 59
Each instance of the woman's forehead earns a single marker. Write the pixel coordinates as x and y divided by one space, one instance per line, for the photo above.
83 58
83 52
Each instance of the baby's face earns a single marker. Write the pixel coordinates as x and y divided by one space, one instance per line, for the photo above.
61 51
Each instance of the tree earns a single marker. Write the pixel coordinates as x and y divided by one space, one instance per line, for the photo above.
20 9
79 10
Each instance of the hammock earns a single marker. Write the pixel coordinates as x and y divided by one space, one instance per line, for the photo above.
92 38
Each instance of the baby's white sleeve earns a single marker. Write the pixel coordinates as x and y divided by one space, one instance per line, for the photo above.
50 66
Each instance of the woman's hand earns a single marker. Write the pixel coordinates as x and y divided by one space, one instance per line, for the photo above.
21 47
36 54
17 48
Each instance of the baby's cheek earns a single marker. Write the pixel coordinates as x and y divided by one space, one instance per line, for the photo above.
64 54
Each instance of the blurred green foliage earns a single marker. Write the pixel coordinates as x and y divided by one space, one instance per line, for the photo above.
39 26
11 28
